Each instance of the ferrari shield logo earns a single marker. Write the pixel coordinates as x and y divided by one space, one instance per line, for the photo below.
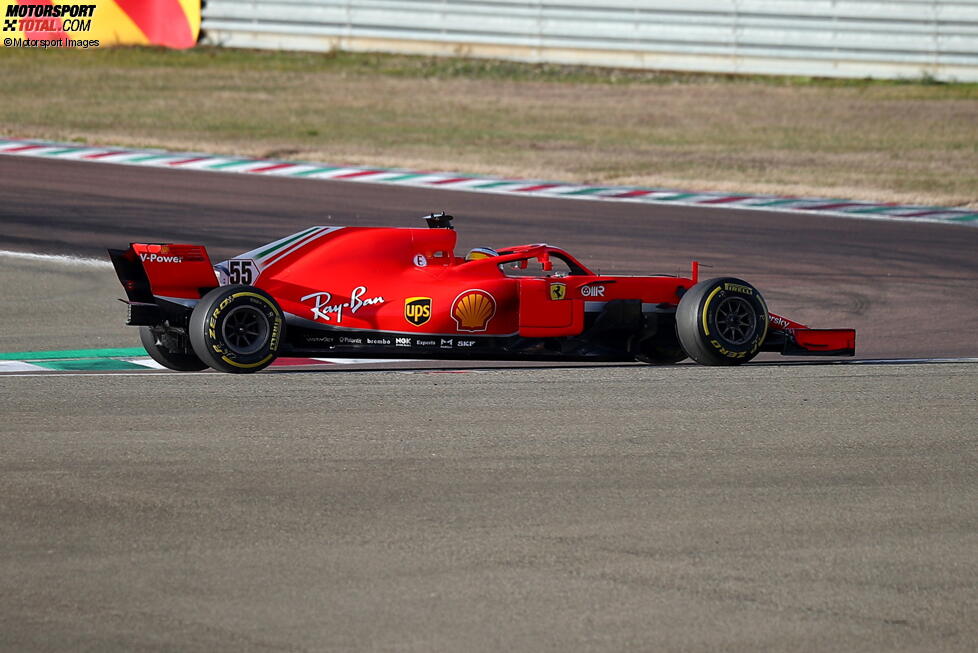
417 310
558 291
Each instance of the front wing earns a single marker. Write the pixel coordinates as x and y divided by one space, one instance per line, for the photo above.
791 338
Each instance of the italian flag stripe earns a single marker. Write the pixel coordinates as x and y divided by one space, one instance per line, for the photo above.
282 253
285 242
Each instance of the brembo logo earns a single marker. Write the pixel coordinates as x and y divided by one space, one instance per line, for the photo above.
160 258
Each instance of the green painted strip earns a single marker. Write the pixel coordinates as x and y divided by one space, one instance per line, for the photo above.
494 184
151 157
315 171
89 364
230 164
586 191
776 202
678 196
878 209
64 151
403 177
70 353
965 218
283 244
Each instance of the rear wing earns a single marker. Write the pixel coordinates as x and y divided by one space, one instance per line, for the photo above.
152 273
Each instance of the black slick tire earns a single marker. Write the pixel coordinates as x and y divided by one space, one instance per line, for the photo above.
237 329
154 342
722 321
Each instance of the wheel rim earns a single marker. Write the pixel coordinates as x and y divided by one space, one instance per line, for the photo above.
736 320
245 330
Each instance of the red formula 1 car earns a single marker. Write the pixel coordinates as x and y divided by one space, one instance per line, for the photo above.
385 292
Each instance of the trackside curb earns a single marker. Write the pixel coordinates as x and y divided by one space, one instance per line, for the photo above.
477 184
127 359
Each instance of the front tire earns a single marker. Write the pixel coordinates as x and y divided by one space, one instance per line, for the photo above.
237 329
722 321
156 345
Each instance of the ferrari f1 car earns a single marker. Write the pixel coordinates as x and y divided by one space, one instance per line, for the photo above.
403 293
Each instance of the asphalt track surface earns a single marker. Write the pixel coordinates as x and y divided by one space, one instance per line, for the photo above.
768 507
909 289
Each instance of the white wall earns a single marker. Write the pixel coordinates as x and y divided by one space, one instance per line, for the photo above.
825 38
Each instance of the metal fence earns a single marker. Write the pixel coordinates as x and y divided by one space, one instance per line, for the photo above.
826 38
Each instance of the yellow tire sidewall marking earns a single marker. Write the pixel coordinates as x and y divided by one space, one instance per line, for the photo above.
706 308
276 326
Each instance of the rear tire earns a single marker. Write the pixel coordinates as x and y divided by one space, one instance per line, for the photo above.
237 329
155 345
722 321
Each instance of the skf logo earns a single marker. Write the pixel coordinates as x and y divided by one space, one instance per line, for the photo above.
473 309
417 310
558 291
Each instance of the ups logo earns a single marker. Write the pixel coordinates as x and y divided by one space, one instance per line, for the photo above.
417 310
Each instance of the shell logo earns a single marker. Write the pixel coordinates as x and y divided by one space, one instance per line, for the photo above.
473 309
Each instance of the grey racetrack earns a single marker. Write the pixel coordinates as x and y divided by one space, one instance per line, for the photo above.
786 507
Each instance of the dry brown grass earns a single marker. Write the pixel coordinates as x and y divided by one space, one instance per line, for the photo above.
886 142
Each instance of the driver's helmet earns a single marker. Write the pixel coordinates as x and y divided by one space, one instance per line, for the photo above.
479 253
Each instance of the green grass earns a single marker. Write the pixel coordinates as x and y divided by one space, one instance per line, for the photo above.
421 67
905 140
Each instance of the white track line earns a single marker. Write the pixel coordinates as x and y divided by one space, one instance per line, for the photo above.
909 361
80 374
7 367
61 259
296 369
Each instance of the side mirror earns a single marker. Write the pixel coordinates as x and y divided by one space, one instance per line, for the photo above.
545 262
